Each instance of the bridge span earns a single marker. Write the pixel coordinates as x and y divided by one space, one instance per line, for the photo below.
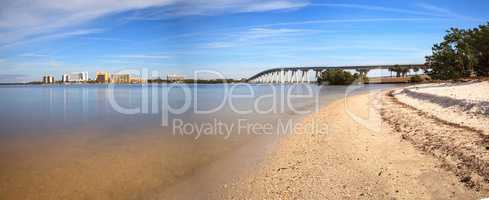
302 74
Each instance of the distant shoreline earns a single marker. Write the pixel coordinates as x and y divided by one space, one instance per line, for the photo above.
56 84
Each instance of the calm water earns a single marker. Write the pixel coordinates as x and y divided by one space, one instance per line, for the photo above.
72 141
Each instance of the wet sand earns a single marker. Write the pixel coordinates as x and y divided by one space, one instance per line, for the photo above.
107 166
63 146
346 159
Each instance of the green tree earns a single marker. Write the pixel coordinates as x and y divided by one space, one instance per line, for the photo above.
460 54
340 77
404 71
478 40
397 69
443 63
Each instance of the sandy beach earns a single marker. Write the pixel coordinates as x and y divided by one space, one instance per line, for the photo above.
404 143
464 104
371 146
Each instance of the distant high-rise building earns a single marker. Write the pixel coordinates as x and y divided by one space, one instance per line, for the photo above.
47 79
64 78
137 81
175 78
120 78
75 77
102 77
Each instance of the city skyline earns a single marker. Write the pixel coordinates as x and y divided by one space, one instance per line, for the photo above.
238 38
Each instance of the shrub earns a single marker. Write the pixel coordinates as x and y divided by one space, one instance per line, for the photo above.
338 77
416 79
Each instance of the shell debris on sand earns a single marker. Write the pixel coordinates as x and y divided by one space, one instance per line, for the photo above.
463 104
427 116
350 161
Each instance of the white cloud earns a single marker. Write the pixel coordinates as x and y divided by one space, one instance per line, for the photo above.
73 33
426 9
274 5
358 20
434 9
444 12
59 13
36 55
256 34
23 19
374 8
58 35
215 7
142 56
218 45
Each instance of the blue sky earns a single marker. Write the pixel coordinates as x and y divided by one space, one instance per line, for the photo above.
237 38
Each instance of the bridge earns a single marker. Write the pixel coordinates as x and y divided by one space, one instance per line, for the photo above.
303 74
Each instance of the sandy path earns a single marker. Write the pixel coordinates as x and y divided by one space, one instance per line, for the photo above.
344 159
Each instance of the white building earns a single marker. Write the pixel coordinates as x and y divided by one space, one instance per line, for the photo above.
75 77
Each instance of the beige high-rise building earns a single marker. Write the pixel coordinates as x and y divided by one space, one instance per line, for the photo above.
102 77
48 79
120 78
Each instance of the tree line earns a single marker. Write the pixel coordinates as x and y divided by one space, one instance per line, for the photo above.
462 53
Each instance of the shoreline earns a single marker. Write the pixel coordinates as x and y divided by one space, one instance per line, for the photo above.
350 161
232 167
122 162
353 147
226 173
